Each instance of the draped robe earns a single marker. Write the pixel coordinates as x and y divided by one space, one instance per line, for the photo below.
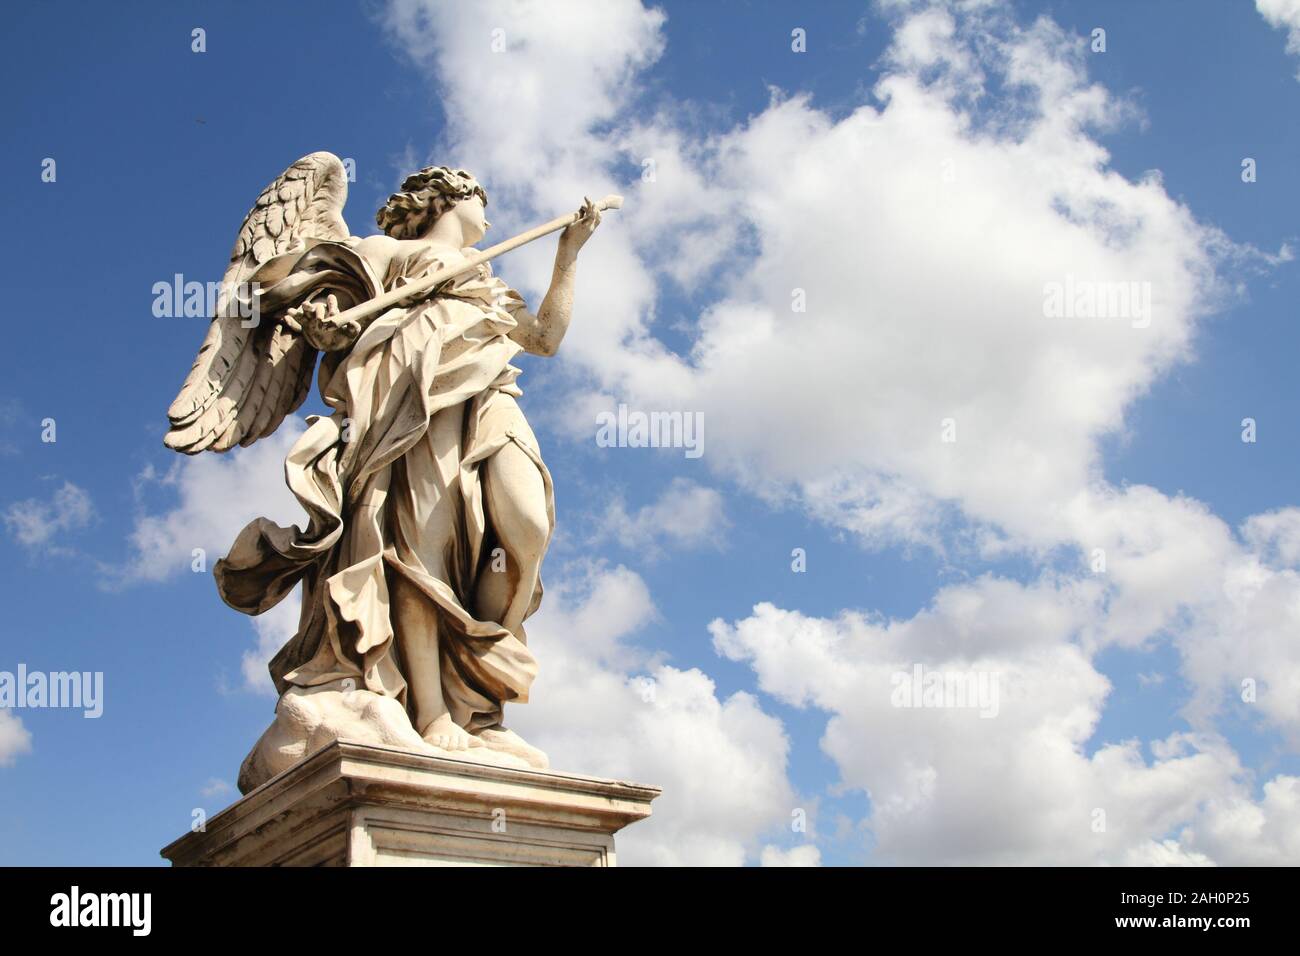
398 530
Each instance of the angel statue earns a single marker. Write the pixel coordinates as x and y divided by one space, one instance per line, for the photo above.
429 506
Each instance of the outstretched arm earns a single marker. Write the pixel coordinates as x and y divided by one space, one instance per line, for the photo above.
542 333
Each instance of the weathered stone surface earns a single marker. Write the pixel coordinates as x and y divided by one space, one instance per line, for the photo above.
308 719
353 804
429 506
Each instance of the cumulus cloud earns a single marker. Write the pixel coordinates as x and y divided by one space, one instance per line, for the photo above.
845 403
216 495
806 855
1283 15
1237 831
951 784
930 311
602 705
685 516
15 739
1275 536
894 394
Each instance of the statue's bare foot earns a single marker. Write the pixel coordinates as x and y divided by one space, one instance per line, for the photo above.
446 734
507 741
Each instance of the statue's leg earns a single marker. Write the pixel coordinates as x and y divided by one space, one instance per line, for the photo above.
426 521
416 630
516 506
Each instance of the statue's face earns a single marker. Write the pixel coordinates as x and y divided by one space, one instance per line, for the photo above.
472 222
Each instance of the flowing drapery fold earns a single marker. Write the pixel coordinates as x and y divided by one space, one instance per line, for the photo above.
397 530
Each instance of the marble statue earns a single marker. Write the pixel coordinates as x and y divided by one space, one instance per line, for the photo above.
429 506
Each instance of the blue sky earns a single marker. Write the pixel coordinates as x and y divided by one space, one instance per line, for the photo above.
160 150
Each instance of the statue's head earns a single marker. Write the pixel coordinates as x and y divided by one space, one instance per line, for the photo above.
430 194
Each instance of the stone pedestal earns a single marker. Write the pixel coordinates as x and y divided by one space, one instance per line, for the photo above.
360 805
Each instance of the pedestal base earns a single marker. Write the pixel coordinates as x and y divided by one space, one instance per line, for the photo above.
360 805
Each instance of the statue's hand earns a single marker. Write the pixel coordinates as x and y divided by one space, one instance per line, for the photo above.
316 322
576 235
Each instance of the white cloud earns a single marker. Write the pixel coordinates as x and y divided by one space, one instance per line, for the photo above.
847 402
523 121
843 404
1283 15
925 229
1229 604
1239 832
216 495
216 787
562 67
15 739
37 524
1165 853
686 516
1275 536
948 786
274 629
600 705
806 855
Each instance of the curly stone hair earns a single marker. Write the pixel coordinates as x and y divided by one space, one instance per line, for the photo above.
424 197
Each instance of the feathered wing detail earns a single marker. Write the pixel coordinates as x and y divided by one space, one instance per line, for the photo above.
246 379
